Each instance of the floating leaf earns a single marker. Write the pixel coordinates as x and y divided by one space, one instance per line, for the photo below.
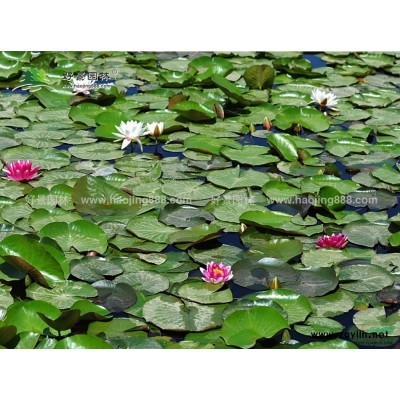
82 235
115 297
257 273
148 227
296 305
374 320
308 118
362 277
63 295
82 342
32 258
259 76
92 269
242 328
367 233
202 292
168 312
93 195
193 111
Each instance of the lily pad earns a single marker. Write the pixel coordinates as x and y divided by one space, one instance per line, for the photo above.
242 328
260 76
296 305
32 258
257 273
375 320
63 295
168 312
82 235
308 118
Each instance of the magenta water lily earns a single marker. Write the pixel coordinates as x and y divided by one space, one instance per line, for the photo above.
334 241
216 273
21 171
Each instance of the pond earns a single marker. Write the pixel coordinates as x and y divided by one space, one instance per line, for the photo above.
199 200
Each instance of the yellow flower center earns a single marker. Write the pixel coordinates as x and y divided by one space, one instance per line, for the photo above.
218 271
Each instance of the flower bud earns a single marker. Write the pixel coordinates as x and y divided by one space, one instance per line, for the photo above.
274 284
252 128
267 124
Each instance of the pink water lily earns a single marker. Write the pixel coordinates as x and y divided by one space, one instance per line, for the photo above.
216 273
21 170
334 241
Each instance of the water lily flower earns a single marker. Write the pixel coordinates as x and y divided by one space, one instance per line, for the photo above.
155 129
216 273
334 241
82 85
21 170
324 99
129 131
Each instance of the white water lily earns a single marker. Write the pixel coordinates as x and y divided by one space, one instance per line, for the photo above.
324 99
129 131
82 85
155 129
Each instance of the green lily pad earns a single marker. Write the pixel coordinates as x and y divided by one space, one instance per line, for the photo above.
364 278
23 315
168 312
191 190
42 217
115 297
63 295
81 341
279 191
93 195
260 76
195 234
97 151
148 227
367 233
92 269
296 305
209 144
333 304
284 145
374 320
257 273
202 292
82 235
250 155
233 178
194 111
319 327
284 249
242 328
147 282
330 344
226 254
308 118
183 216
46 158
32 258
